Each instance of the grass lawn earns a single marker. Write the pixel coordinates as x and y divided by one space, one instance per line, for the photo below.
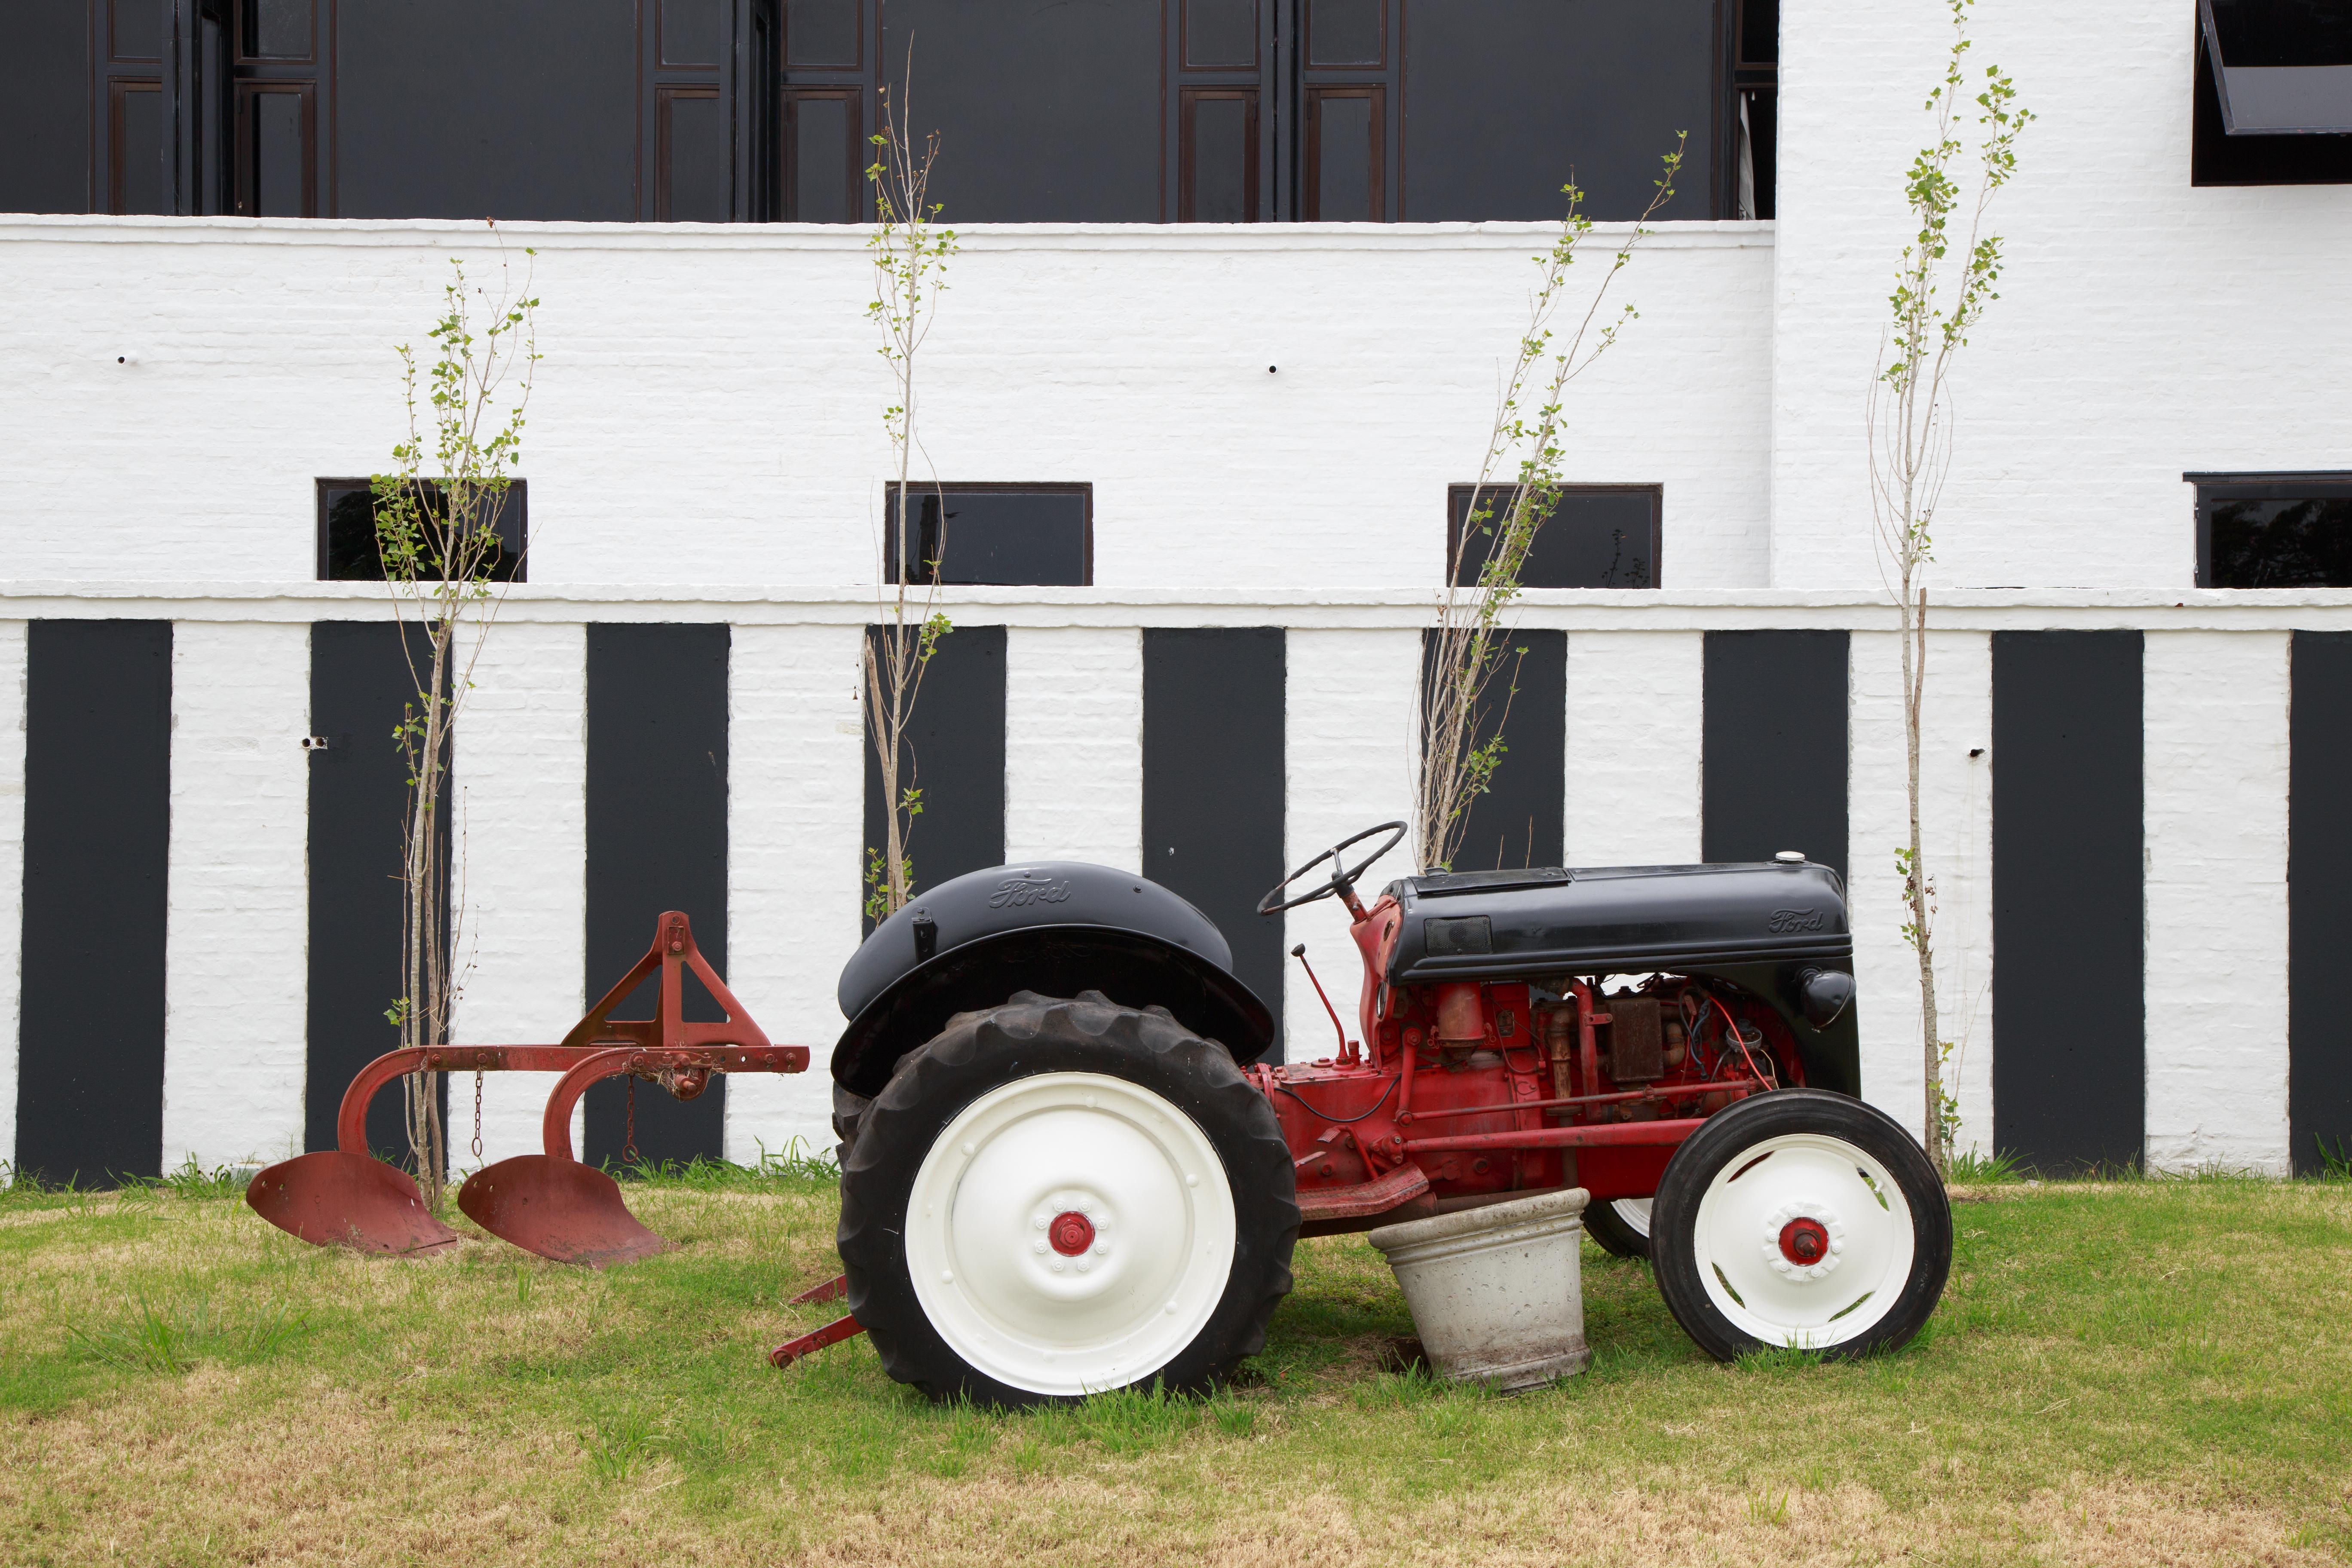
2130 1373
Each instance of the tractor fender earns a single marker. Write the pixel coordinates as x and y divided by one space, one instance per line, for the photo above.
1055 927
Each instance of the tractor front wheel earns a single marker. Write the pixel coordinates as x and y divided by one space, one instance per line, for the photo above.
1621 1226
1057 1197
1802 1219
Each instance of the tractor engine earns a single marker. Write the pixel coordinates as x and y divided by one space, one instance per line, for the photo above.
1458 1069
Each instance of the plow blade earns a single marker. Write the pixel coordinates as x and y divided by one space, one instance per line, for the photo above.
557 1208
333 1199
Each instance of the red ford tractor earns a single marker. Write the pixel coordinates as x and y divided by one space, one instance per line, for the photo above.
1065 1168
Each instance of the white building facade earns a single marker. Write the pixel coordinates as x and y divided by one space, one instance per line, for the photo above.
2134 807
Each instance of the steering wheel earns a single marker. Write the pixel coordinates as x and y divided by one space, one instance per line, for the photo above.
1343 876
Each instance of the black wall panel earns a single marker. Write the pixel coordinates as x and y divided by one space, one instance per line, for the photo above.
45 83
2319 892
2069 1067
1520 820
360 687
657 841
955 756
1507 101
1774 776
98 829
1213 787
526 109
1046 113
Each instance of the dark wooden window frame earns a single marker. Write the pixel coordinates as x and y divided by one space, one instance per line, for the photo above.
2286 484
117 90
517 509
1315 94
667 94
1306 28
1188 101
1184 34
1084 488
248 145
1656 493
852 96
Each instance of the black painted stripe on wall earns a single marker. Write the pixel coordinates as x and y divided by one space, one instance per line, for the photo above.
98 831
2069 1067
1774 744
1213 785
2319 900
954 751
1521 819
656 840
360 687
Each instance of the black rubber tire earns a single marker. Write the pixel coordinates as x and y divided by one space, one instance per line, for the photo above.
1728 1134
1028 1036
848 1112
1604 1224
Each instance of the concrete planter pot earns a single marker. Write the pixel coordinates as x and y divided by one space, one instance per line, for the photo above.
1495 1293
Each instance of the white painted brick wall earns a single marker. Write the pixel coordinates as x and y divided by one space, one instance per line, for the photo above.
1351 737
239 912
796 822
2216 823
1073 745
1956 832
519 766
12 870
1636 706
2146 327
709 409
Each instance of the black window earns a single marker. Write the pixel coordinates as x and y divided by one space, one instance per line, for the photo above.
2273 93
347 550
1597 536
2273 530
1755 108
1037 535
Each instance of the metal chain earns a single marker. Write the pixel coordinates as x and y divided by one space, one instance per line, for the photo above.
478 1113
629 1142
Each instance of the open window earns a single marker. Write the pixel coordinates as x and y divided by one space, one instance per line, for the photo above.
1005 535
2273 93
1596 536
2273 530
347 547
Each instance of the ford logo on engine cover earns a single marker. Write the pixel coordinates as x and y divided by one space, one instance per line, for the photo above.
1784 921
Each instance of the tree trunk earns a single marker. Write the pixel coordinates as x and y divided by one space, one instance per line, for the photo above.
1917 888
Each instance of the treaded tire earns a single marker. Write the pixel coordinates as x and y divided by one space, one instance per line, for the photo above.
1616 1236
1724 1144
848 1110
1033 1034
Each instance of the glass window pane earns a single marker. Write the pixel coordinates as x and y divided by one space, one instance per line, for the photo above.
277 156
138 149
1023 537
1223 156
1592 538
1221 33
1343 171
821 32
2281 542
693 32
279 29
696 157
823 188
1343 32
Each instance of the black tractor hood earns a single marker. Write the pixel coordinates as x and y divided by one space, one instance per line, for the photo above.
1618 919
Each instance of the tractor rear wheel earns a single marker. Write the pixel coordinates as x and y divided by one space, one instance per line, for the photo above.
1621 1226
1057 1197
1801 1219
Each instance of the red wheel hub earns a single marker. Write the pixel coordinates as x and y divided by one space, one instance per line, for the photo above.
1071 1233
1804 1242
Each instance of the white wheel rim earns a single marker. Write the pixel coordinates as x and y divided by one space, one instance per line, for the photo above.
1024 1309
1804 1192
1634 1213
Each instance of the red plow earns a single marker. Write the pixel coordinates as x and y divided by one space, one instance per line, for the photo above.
548 1203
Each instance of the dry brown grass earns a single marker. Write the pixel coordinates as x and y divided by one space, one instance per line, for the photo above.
2142 1373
